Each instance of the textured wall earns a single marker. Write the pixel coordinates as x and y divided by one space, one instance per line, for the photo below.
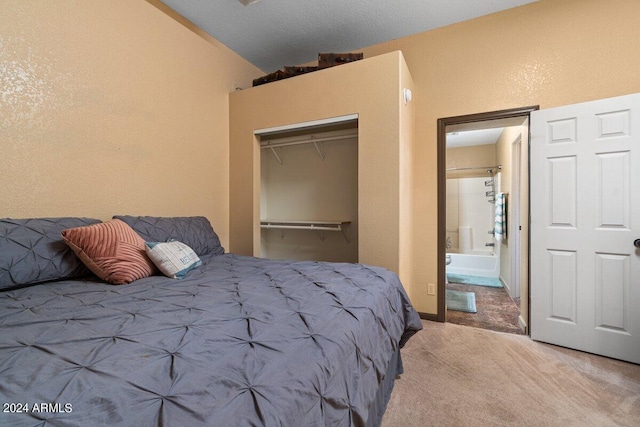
370 88
90 127
504 156
112 108
305 187
548 53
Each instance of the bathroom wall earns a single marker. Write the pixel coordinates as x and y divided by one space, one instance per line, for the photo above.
504 148
469 215
473 156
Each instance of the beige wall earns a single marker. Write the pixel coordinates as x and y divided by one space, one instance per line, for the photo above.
370 88
504 149
408 169
470 157
548 53
307 188
524 233
97 97
504 156
113 108
476 207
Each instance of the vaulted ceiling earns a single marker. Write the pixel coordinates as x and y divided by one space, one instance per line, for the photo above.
273 33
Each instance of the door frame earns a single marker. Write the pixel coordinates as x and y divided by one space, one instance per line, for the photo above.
515 218
442 185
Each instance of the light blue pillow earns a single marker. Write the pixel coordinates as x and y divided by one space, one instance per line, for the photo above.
173 258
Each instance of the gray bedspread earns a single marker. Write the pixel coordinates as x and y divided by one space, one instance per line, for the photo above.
240 342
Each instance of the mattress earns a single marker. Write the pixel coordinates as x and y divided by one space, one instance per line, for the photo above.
241 341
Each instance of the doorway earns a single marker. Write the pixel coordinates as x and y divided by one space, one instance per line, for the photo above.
490 257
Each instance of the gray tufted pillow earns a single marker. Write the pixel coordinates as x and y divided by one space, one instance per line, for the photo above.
194 231
32 251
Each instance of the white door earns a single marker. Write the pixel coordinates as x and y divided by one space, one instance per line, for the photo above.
585 217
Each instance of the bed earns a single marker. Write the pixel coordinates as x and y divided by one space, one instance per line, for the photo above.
239 341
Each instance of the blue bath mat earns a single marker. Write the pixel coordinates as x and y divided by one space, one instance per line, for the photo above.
461 301
474 280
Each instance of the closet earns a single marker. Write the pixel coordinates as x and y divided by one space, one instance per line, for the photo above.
346 207
309 192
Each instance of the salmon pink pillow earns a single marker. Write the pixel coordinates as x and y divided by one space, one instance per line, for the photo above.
111 250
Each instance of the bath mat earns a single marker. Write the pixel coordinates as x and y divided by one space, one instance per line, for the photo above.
461 301
474 280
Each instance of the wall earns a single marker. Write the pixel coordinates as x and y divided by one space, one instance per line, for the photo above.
470 157
469 215
547 53
473 211
504 154
504 149
409 167
524 233
308 188
371 88
113 108
93 95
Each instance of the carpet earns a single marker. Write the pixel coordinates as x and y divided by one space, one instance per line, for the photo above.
461 301
474 280
461 376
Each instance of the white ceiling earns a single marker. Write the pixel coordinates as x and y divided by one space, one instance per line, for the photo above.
473 137
480 133
273 33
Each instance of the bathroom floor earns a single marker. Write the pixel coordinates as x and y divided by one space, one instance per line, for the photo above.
496 310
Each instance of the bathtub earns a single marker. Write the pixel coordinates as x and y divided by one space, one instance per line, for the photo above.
483 265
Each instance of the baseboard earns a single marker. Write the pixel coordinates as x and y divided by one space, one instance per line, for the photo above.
505 284
428 316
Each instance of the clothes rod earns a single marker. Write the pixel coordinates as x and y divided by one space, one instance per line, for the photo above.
474 168
305 225
318 226
269 144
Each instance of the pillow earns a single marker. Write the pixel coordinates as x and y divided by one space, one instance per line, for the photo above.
173 258
194 231
112 250
32 251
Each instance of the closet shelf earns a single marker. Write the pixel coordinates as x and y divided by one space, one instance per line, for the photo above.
307 225
311 139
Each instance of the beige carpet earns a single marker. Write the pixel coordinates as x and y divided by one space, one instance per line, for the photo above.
464 376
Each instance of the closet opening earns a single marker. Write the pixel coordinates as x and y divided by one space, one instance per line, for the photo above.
483 220
309 191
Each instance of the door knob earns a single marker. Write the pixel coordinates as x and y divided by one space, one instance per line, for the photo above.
636 243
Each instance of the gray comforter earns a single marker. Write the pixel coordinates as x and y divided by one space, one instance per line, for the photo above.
241 341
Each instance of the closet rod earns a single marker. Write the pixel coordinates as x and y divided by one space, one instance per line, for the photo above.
269 144
474 168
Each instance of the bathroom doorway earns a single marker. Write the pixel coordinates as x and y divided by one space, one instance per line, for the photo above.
483 220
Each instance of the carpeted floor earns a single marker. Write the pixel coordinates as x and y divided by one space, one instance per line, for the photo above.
495 309
461 301
460 376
